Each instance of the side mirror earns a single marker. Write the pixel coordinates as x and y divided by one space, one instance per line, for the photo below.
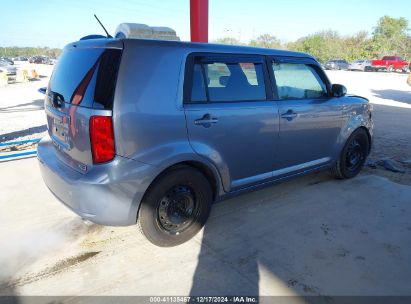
42 90
338 90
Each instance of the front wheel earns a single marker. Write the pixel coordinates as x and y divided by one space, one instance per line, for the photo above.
353 155
390 69
176 207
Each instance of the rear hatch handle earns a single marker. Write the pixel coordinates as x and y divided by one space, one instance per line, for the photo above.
56 98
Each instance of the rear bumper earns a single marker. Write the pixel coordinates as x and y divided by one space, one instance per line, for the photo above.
109 194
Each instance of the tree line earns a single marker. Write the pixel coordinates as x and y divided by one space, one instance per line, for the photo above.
389 37
15 51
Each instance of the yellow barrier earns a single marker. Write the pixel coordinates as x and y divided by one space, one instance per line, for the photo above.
34 74
22 76
4 79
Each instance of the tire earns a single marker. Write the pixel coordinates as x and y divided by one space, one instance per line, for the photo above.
390 69
353 155
406 69
176 207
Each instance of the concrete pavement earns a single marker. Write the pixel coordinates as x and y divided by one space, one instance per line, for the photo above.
309 236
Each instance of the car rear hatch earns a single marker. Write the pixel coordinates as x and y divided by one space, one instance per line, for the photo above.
79 102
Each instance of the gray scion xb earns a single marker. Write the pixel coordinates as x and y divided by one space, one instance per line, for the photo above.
153 132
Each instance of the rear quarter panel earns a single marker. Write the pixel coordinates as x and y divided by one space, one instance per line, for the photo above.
148 122
148 115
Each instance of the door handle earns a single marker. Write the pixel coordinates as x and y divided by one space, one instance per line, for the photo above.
206 121
289 115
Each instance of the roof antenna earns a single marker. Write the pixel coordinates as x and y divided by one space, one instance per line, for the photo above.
108 35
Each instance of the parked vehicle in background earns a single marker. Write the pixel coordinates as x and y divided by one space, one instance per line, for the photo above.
360 65
227 120
336 64
8 60
20 58
390 64
6 67
36 59
46 60
42 60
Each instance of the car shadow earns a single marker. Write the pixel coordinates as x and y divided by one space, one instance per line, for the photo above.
34 105
396 95
8 294
240 246
17 134
306 238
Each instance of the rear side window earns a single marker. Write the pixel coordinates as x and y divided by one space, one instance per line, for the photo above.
106 79
86 77
227 81
298 81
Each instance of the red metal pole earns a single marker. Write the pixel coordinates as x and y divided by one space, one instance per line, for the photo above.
199 20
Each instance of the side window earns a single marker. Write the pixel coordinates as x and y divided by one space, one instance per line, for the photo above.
298 81
198 92
227 81
217 73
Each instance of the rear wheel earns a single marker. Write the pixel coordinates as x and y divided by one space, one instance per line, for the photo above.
353 155
176 207
390 69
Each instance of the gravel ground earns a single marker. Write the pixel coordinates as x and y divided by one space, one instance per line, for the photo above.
310 236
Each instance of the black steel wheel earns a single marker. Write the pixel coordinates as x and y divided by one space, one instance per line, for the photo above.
353 155
175 207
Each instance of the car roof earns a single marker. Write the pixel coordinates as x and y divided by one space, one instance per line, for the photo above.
198 46
191 46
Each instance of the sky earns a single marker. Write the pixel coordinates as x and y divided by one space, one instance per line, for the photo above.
54 23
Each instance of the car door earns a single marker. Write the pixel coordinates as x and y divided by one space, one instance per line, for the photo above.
310 119
230 120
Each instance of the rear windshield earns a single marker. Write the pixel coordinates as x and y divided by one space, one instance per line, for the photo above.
86 77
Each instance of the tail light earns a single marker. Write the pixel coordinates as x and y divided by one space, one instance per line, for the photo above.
102 138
